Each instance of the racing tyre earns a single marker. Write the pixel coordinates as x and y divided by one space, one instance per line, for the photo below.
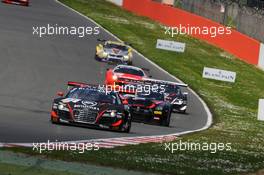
126 126
166 120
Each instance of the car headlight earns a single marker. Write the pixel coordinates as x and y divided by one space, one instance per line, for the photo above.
103 54
61 106
113 114
126 58
159 108
114 77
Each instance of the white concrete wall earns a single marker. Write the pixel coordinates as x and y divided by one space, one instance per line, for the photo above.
117 2
261 56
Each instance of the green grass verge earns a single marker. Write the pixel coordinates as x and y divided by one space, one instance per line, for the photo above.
10 169
234 105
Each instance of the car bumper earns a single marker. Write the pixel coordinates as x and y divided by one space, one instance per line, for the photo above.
104 122
145 115
114 59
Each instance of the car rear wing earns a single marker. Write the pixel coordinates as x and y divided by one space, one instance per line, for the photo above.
72 84
156 81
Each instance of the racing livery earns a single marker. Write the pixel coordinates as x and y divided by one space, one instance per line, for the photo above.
150 108
18 2
115 52
123 75
90 105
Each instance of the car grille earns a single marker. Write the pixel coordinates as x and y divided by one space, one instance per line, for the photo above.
140 109
85 115
117 56
115 60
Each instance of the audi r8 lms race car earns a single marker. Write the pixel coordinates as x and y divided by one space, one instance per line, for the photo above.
18 2
124 74
173 94
150 108
92 106
112 51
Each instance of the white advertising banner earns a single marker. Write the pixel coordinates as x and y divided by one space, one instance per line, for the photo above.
117 2
168 2
261 110
170 45
218 74
261 56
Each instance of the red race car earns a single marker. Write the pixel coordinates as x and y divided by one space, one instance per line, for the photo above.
18 2
123 75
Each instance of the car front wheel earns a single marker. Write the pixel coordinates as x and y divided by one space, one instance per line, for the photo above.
166 120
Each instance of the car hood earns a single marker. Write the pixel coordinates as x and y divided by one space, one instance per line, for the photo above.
116 51
85 104
128 76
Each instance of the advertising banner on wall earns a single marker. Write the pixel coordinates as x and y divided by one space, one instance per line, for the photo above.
261 110
170 45
218 74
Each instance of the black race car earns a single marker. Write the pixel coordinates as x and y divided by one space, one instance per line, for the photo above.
176 97
173 94
91 105
150 108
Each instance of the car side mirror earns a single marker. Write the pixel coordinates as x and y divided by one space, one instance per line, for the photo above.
61 94
125 102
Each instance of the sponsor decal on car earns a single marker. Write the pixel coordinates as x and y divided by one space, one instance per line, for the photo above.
89 103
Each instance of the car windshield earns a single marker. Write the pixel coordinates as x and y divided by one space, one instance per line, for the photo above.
131 71
116 46
172 89
152 95
91 95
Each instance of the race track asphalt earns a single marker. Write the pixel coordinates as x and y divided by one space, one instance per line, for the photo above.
33 69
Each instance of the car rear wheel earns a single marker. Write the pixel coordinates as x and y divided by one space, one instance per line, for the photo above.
126 126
